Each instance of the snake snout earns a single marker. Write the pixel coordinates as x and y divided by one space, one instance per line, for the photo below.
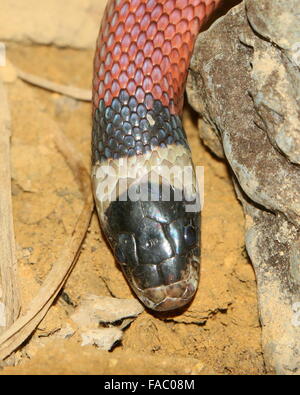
174 291
170 297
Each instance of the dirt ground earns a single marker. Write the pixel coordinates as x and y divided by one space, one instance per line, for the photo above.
218 333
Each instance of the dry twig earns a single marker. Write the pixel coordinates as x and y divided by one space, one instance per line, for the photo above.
75 93
7 239
26 324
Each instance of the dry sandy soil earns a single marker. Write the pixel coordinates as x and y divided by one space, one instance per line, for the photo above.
218 333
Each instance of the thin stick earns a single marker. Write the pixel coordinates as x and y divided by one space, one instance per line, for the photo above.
75 93
61 269
8 262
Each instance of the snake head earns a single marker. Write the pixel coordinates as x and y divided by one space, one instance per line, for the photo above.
156 243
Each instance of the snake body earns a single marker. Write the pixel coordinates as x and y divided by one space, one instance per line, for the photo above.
140 154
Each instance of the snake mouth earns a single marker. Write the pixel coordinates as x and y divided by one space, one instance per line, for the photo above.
171 296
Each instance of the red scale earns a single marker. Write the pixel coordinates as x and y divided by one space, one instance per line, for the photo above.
144 46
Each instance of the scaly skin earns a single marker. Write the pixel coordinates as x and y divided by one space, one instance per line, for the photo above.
140 69
145 46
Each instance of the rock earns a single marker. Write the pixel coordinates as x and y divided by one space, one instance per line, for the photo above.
65 332
95 309
103 338
71 23
245 84
116 314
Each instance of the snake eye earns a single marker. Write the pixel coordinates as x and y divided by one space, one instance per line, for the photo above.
189 235
121 251
125 250
120 255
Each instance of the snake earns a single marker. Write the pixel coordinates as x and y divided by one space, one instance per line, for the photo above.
143 178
